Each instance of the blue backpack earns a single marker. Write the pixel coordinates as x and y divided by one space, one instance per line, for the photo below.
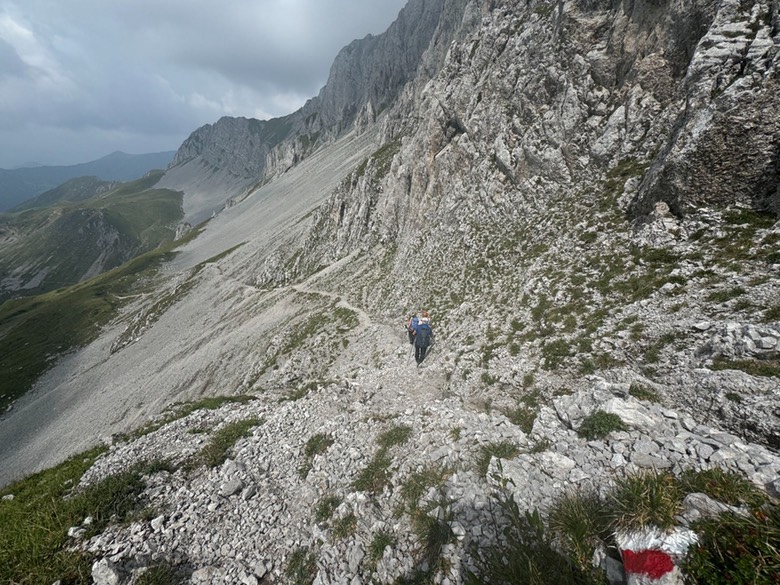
424 335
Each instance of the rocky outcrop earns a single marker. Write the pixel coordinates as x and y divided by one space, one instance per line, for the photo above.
724 145
242 520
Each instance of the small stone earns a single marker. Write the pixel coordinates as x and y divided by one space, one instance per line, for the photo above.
702 325
157 523
104 573
650 462
231 488
76 532
704 451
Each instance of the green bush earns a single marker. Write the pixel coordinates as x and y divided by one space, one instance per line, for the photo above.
600 424
736 549
650 499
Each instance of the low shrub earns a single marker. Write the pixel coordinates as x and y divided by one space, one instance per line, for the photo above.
501 450
600 424
733 548
650 499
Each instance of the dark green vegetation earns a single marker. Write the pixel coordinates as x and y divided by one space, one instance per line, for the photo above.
502 450
301 567
72 238
180 410
599 424
764 368
733 548
34 524
216 450
35 331
316 445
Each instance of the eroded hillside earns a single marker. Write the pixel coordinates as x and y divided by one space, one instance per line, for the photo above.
560 185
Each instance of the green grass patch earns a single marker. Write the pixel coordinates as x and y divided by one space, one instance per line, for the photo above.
316 445
724 486
600 424
761 368
642 392
500 450
736 549
555 353
650 499
216 451
375 475
345 526
726 295
379 542
161 574
525 554
523 417
326 507
182 410
772 314
581 524
397 435
420 482
301 567
34 331
34 524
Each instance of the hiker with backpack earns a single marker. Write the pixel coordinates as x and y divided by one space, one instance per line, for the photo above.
423 338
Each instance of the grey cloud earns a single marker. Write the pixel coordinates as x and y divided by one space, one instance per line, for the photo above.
145 68
10 63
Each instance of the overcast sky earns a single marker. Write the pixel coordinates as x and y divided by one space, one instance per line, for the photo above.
80 79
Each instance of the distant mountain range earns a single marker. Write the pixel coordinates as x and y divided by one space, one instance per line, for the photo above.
19 185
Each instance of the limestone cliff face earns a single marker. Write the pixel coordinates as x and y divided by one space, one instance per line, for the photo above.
366 78
544 101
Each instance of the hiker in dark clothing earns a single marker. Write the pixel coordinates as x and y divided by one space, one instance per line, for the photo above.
423 338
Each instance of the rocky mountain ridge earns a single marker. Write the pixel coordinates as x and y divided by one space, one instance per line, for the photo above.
540 190
19 185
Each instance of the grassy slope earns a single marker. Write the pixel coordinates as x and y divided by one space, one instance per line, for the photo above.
34 331
67 238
